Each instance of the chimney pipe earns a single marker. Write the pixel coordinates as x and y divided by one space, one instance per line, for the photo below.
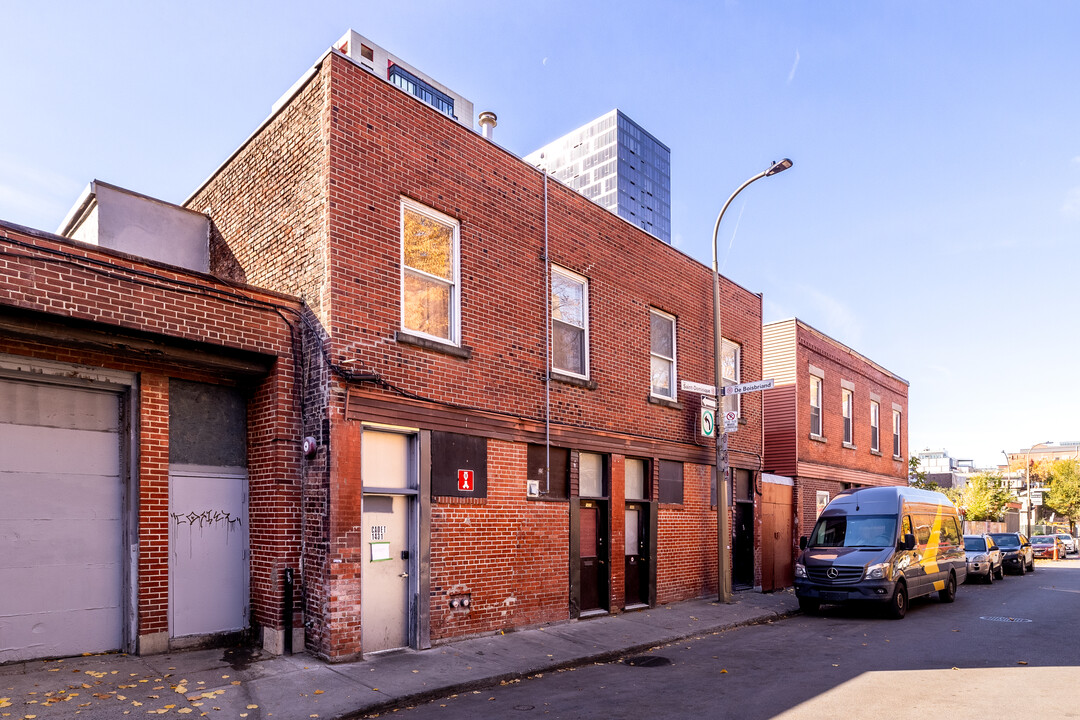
487 121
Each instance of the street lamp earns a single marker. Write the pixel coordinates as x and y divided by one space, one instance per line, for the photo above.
723 484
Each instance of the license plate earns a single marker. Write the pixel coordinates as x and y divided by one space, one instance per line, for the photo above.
832 596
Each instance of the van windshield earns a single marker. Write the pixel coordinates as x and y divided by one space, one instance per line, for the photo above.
855 531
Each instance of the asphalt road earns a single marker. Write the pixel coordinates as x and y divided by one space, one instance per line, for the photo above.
1011 649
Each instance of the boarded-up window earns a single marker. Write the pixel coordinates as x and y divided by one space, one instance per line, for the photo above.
671 482
207 424
458 465
538 457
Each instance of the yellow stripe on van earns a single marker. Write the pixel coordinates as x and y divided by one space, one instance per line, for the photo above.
933 549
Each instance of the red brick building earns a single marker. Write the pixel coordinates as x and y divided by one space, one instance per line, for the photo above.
834 419
501 438
149 449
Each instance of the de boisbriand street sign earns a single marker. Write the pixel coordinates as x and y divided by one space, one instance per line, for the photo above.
708 404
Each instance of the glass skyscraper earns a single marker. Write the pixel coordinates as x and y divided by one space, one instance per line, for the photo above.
617 164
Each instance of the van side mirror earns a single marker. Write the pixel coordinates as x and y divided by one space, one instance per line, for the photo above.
909 542
803 542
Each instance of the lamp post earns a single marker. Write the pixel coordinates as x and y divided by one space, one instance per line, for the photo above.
723 484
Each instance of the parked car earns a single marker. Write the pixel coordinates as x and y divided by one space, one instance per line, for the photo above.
1043 546
1069 540
1016 553
983 558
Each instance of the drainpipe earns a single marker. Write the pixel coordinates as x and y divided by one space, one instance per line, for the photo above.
547 348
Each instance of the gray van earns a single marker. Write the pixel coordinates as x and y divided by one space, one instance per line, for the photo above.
884 545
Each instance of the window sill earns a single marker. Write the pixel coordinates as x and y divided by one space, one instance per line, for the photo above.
818 438
464 352
897 458
571 380
673 404
546 499
849 446
876 452
742 420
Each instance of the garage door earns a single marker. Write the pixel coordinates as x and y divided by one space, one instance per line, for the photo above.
61 521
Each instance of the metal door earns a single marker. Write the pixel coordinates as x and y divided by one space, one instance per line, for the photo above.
61 521
208 552
636 556
388 537
592 551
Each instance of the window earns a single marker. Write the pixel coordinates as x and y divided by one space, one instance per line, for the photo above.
896 433
591 475
731 361
845 396
420 89
636 479
671 482
569 322
429 284
662 338
875 424
815 406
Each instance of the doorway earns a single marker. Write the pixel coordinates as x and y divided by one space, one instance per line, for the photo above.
593 567
636 550
776 535
742 570
389 535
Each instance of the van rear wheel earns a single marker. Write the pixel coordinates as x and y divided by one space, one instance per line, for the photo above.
948 593
897 607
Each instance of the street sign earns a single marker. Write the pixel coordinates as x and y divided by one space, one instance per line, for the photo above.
693 387
708 401
465 480
748 387
708 422
731 421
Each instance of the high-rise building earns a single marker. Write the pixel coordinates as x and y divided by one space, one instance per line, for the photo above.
614 162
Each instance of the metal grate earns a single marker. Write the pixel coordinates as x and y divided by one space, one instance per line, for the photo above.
844 575
1000 618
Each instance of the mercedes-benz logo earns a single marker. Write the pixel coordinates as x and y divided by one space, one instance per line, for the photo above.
833 573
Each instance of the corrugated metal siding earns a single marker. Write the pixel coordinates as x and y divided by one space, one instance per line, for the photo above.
848 475
778 348
780 430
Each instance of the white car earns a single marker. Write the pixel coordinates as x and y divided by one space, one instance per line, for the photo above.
1070 542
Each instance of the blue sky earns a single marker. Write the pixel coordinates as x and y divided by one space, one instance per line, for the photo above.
930 222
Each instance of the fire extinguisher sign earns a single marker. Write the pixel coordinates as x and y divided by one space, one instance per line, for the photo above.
465 480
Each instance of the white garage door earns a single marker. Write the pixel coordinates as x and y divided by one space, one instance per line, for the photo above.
61 521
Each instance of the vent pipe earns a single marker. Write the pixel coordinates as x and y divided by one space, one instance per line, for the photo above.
487 121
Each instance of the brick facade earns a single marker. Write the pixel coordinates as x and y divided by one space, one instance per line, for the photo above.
67 302
796 352
336 163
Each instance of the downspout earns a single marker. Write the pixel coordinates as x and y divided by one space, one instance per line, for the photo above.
547 348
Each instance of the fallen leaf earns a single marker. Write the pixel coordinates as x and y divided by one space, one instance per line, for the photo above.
235 682
252 707
320 692
1021 662
723 672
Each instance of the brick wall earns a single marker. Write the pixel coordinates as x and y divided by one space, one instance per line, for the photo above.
377 146
174 324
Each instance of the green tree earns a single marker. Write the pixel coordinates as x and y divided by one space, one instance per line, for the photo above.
984 497
917 476
1064 495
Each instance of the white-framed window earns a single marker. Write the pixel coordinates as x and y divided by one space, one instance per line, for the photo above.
896 433
569 322
849 428
875 425
815 405
662 352
430 300
730 372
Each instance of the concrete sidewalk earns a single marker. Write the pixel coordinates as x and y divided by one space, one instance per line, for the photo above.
237 683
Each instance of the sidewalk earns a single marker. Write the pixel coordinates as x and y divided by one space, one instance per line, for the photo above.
250 684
